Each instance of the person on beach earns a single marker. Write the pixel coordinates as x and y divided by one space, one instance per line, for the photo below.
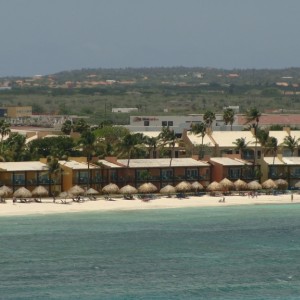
14 200
292 197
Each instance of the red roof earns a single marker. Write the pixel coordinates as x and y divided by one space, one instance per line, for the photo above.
280 119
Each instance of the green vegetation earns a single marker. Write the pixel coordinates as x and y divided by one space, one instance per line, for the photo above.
154 91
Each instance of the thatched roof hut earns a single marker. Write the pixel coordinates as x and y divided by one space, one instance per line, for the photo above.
240 185
297 184
65 195
40 191
227 184
281 184
76 190
183 187
147 188
110 189
5 191
269 184
214 187
92 191
197 186
22 192
128 190
168 189
254 186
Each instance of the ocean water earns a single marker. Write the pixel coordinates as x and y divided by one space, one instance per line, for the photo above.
241 252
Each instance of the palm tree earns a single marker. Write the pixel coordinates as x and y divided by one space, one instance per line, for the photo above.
130 142
291 143
199 128
263 138
168 137
14 147
272 144
208 118
253 114
228 117
241 145
152 143
53 169
4 130
88 143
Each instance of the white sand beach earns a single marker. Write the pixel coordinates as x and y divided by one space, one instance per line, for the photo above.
48 207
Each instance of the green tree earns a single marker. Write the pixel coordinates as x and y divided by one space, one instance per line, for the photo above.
168 137
209 118
130 143
67 127
4 130
228 117
291 143
52 146
273 146
15 147
88 144
80 126
253 115
53 170
199 128
241 145
263 138
153 144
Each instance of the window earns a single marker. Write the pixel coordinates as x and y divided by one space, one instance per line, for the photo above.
192 173
83 177
146 123
234 173
19 178
170 123
167 174
164 123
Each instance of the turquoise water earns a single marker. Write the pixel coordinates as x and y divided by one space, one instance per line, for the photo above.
241 252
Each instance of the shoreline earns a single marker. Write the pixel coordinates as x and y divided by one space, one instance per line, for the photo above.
118 204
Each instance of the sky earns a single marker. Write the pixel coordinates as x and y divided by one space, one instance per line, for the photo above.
41 37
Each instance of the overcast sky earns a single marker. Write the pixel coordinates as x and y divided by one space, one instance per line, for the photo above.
48 36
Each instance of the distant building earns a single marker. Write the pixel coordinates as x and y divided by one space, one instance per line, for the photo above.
16 111
177 123
124 109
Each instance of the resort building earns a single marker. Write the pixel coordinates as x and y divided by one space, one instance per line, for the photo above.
176 123
29 174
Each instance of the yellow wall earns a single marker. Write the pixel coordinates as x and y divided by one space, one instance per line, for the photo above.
19 111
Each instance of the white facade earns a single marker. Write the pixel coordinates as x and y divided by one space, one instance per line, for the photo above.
177 123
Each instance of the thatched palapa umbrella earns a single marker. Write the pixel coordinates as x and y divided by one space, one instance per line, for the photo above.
110 189
240 185
147 188
254 186
168 189
227 184
22 192
92 191
5 191
76 190
214 187
128 190
197 186
183 187
281 184
40 191
269 184
65 195
297 185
